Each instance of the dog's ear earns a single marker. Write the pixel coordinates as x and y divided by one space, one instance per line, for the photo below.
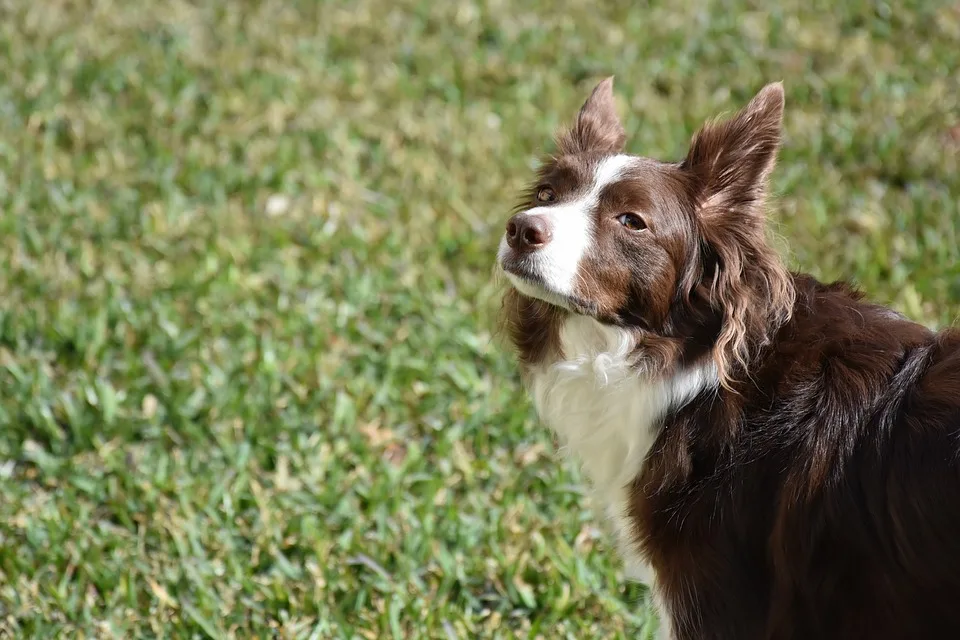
730 162
732 159
597 129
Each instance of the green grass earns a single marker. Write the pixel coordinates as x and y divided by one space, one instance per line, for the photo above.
249 385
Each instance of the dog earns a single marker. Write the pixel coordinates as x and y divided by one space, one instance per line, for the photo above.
779 458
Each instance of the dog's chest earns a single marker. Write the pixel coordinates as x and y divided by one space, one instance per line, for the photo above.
607 415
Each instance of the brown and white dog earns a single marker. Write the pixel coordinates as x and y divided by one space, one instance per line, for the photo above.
779 457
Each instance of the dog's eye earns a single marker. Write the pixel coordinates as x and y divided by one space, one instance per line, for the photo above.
632 221
546 194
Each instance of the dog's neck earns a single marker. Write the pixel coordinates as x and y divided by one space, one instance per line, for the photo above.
606 407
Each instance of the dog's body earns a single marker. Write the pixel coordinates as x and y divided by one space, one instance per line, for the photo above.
778 457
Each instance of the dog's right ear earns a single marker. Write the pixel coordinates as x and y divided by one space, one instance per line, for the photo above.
598 128
732 159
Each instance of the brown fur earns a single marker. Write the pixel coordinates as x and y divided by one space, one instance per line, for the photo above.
732 161
595 131
816 494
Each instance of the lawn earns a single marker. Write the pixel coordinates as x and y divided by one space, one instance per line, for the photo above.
249 379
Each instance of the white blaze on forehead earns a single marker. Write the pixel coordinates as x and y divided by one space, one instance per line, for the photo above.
572 224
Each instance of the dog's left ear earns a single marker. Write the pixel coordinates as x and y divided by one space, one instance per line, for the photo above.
732 159
598 128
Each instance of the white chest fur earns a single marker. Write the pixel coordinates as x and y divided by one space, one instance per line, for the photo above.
607 414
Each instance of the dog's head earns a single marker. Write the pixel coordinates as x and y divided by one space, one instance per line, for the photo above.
674 251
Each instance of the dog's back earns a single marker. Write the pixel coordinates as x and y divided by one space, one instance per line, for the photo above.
823 501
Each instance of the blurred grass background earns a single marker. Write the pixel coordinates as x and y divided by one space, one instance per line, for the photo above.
247 381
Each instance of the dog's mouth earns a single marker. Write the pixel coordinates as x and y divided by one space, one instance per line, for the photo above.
530 283
520 268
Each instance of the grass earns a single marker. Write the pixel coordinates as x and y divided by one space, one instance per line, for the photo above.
248 385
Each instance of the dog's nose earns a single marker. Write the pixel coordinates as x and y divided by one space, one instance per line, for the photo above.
527 233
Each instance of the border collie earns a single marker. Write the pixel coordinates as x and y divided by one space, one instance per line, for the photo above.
779 458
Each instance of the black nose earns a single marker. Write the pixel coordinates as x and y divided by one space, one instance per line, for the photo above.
527 233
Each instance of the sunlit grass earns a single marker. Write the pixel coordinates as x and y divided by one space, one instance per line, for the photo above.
248 380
